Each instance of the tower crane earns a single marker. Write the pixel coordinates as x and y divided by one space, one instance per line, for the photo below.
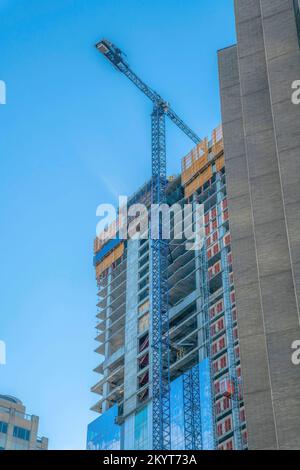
159 248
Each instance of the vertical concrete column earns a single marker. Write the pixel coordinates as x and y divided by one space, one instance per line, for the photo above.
10 430
107 334
199 302
33 432
283 68
253 350
264 275
131 328
129 432
282 54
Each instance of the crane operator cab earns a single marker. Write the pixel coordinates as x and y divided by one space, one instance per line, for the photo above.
112 53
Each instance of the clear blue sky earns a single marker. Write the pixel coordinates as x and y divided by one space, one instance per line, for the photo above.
75 133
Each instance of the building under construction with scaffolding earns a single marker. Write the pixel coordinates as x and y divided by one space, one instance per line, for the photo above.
205 393
195 346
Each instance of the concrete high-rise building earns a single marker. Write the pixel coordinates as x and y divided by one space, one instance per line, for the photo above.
233 305
18 430
261 128
206 395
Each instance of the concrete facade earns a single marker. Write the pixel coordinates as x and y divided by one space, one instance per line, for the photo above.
131 328
262 155
202 322
18 430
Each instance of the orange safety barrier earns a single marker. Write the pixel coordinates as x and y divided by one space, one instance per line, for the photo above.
199 181
227 388
201 155
194 161
110 259
109 233
217 140
105 236
220 163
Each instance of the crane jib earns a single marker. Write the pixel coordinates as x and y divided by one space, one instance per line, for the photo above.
116 57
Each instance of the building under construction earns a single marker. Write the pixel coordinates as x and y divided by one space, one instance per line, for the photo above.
205 374
195 346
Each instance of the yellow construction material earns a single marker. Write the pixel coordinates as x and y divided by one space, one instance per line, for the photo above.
144 307
110 259
108 234
217 140
194 161
199 181
217 148
200 157
97 245
220 163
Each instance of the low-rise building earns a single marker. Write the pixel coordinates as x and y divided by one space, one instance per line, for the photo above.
18 430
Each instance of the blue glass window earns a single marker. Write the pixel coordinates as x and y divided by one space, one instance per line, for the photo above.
103 432
3 427
206 406
141 430
21 433
177 414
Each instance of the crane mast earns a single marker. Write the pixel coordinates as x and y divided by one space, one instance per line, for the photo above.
159 249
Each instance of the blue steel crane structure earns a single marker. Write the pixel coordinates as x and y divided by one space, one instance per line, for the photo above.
159 251
192 412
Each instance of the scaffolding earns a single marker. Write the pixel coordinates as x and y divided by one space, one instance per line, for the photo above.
233 378
204 289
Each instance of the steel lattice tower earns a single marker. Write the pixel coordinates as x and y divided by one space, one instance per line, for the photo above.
159 249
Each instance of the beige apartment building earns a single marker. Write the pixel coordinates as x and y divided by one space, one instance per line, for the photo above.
18 430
